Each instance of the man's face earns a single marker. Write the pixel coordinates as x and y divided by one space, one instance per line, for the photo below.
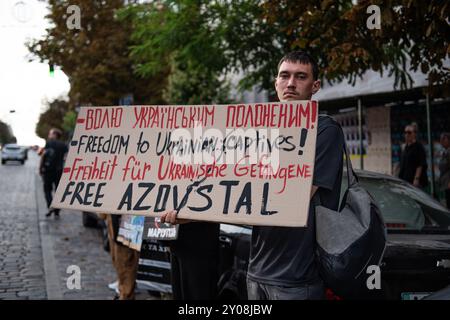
410 134
51 135
295 81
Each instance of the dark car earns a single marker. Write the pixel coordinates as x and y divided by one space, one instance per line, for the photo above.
417 257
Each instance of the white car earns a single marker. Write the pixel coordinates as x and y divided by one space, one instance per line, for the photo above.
13 152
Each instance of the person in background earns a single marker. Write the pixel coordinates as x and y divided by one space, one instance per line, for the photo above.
125 260
51 166
413 162
444 167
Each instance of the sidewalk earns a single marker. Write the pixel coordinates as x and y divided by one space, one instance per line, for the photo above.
66 242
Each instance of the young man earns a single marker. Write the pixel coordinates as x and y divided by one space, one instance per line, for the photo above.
413 162
51 165
282 259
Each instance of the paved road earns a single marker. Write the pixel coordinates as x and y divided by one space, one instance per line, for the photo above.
21 264
35 251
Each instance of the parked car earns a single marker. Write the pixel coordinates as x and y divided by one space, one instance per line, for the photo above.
13 152
416 264
25 151
417 258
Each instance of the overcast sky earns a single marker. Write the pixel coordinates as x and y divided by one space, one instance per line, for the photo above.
24 86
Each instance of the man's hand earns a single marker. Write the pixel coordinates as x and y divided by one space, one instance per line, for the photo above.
171 217
313 191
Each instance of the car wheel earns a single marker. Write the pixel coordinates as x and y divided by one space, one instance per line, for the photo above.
89 221
3 161
22 162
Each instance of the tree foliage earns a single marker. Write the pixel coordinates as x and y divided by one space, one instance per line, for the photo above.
183 51
6 135
181 35
414 35
252 35
53 117
96 57
69 122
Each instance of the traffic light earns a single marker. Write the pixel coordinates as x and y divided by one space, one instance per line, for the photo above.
51 69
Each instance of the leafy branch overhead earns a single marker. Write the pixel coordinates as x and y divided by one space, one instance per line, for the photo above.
251 36
414 35
185 51
96 57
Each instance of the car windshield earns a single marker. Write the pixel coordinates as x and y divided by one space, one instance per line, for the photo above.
12 148
403 206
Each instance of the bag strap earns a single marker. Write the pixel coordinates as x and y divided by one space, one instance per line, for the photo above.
352 179
351 176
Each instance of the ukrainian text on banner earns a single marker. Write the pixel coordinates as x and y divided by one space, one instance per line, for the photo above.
244 164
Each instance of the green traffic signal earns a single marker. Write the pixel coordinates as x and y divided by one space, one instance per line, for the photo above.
52 70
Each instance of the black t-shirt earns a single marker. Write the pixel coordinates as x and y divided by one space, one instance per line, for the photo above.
413 157
54 156
285 256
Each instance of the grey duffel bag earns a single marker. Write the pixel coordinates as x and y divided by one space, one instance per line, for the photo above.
349 240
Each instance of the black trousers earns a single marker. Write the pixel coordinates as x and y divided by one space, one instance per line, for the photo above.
51 180
194 277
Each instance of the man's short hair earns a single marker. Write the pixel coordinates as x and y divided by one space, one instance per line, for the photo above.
56 132
303 58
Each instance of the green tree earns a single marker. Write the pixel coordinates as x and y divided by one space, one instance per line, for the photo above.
182 35
53 117
251 36
96 57
69 121
414 32
197 85
6 134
